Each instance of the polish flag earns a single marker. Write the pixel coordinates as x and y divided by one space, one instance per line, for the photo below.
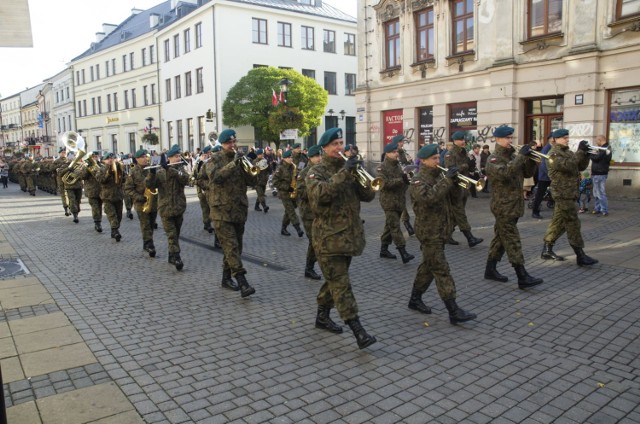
274 98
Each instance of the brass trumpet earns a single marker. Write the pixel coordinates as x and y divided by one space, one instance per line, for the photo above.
248 167
365 179
466 182
594 150
536 156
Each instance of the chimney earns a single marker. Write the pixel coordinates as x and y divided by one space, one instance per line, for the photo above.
135 11
154 18
100 36
108 28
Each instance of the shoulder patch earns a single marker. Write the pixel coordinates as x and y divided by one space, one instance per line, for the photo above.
493 160
416 182
311 176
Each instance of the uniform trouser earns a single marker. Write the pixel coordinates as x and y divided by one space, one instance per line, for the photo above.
23 182
113 210
260 190
434 265
290 216
392 230
336 289
63 193
458 209
128 202
308 228
541 189
96 208
506 238
230 236
31 182
172 225
146 223
5 181
565 218
74 195
405 215
204 207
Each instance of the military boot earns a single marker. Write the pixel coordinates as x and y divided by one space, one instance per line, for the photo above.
410 230
582 258
548 253
75 218
208 228
384 252
416 303
265 208
66 211
457 314
129 214
178 262
363 339
452 241
98 226
324 322
284 231
149 248
257 207
406 257
298 230
245 288
227 281
309 272
473 241
116 234
491 273
524 279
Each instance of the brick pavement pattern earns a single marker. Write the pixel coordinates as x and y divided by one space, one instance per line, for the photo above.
182 349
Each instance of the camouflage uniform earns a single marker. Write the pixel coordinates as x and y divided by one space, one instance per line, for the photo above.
299 158
74 191
29 170
282 181
457 156
21 174
111 194
507 172
59 164
392 200
338 235
261 186
430 195
403 160
202 183
306 214
92 192
134 187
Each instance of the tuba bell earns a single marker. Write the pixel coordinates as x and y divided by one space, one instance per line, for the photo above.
75 143
148 199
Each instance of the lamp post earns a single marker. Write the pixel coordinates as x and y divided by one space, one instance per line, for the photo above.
284 88
330 112
342 114
150 121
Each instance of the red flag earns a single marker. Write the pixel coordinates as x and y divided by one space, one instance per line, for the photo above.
274 98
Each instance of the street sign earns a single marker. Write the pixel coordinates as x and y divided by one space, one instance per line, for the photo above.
290 134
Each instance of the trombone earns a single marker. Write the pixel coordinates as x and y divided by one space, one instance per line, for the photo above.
466 182
594 150
536 156
365 179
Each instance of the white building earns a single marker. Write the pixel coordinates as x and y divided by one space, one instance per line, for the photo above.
63 113
11 129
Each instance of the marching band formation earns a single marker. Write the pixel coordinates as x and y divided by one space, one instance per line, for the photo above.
327 187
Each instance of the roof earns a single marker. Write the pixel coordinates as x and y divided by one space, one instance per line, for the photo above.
325 11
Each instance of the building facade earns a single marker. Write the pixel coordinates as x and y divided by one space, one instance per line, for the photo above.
62 98
433 67
11 124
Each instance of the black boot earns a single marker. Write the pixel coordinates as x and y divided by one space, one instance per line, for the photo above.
227 281
416 303
129 214
149 248
491 273
208 228
178 262
116 234
216 243
410 230
406 257
452 241
309 272
363 339
457 314
66 211
245 288
257 207
265 208
536 215
324 322
384 252
284 231
524 279
548 253
155 225
298 230
473 241
582 258
98 226
75 218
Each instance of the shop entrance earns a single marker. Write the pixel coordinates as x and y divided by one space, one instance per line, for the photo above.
543 116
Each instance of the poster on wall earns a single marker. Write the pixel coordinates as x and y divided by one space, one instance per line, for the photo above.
426 126
392 124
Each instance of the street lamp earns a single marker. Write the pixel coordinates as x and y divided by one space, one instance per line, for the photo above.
330 112
210 115
150 121
342 114
284 87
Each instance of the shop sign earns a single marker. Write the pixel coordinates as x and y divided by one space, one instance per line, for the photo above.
392 124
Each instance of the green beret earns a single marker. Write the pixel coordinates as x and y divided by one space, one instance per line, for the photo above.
397 139
330 135
62 149
427 151
559 133
216 148
174 150
347 147
503 131
227 136
296 146
140 153
95 153
108 155
391 147
259 151
287 154
313 151
458 135
207 149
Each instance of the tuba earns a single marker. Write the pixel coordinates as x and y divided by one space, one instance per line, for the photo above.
148 196
365 179
75 143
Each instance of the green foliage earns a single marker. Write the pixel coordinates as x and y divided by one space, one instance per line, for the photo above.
249 103
151 138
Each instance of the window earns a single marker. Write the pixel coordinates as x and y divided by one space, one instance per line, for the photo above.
462 26
187 40
115 102
329 41
152 50
132 142
178 86
167 88
83 79
166 50
170 132
144 56
187 84
199 81
201 129
307 38
133 97
126 99
349 84
131 63
91 72
627 8
198 35
78 77
99 106
309 73
392 43
349 44
97 72
545 17
145 95
153 94
284 34
113 66
424 35
108 102
179 128
190 134
106 67
176 45
330 82
124 63
259 31
114 143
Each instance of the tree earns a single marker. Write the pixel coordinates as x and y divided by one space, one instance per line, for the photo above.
249 103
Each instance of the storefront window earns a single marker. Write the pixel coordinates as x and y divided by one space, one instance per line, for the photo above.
624 125
464 117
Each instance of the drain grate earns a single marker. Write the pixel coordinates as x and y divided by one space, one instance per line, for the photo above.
12 267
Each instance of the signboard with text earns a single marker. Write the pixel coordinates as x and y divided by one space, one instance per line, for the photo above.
392 124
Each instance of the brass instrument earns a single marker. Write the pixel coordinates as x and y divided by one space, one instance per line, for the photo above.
169 164
294 183
115 171
365 179
75 143
410 170
248 167
466 182
148 196
536 156
594 149
262 164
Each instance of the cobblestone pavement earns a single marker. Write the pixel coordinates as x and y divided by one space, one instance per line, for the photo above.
184 350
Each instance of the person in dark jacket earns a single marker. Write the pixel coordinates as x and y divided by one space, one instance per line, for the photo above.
543 180
600 161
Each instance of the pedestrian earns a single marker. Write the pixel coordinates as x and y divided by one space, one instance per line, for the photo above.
306 214
111 179
484 155
600 162
584 192
507 171
474 167
563 170
543 179
4 173
430 196
284 179
145 202
338 235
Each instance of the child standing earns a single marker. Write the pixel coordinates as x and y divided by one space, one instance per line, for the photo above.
586 185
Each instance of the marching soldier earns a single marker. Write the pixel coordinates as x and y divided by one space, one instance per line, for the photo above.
59 164
404 160
126 163
393 201
285 180
73 187
92 190
229 204
20 173
170 181
29 170
201 187
430 196
111 179
261 183
298 158
563 171
335 195
306 214
145 201
457 156
507 172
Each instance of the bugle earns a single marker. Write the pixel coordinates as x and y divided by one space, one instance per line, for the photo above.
248 167
595 149
365 179
536 156
466 182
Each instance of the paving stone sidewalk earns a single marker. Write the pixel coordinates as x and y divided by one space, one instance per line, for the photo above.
154 345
